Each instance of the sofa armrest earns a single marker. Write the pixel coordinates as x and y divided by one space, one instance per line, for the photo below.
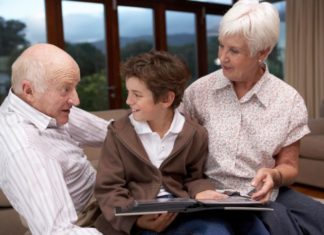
316 125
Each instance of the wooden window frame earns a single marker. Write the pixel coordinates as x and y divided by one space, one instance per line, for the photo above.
55 34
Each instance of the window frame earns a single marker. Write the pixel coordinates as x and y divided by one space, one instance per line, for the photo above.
55 34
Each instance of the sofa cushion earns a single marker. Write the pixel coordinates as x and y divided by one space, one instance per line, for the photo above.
3 200
311 172
316 125
312 147
10 223
111 113
321 112
92 154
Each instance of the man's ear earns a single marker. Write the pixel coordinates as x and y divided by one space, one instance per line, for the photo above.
27 91
168 99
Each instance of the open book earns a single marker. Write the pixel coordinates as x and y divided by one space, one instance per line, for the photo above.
165 205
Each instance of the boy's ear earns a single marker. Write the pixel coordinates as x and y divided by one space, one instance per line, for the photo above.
168 99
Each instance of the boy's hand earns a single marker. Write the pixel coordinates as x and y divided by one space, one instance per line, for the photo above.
210 194
156 222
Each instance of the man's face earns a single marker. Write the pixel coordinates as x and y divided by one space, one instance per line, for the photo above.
59 96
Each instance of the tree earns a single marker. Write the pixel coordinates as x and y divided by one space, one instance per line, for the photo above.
212 53
12 42
93 88
93 93
275 63
90 59
12 36
135 48
187 52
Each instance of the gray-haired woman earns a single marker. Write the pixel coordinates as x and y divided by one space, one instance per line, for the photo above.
255 121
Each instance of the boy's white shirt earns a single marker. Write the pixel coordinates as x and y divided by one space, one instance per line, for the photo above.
157 148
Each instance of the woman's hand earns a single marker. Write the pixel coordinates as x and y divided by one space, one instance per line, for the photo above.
210 194
264 183
156 222
284 173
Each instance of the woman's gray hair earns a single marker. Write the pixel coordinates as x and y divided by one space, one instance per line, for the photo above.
30 69
258 22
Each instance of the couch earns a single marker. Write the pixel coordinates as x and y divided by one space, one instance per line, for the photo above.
10 223
311 160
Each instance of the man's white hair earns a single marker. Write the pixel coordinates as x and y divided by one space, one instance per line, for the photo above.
39 64
30 69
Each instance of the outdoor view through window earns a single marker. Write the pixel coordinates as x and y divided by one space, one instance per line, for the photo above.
85 39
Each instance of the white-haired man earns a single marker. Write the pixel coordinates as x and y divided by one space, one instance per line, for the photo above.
43 170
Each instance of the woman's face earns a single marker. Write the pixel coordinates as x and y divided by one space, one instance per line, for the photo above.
236 61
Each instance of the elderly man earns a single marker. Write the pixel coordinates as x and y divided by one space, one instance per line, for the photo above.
43 170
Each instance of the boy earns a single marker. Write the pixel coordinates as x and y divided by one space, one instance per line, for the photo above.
154 152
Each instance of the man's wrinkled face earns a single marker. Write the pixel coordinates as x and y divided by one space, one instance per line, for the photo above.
59 96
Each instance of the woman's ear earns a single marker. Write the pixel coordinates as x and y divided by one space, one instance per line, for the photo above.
168 99
263 55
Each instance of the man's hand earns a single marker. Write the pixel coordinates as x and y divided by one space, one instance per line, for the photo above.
156 222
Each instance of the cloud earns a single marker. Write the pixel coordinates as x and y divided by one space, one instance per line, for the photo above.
83 27
134 21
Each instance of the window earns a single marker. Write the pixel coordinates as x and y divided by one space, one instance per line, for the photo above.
88 48
135 34
19 27
181 38
212 24
132 27
135 30
276 58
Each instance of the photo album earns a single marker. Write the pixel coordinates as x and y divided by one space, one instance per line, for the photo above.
186 205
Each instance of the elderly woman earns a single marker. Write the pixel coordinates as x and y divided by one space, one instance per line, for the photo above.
255 121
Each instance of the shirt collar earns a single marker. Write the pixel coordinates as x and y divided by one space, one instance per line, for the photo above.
144 128
220 80
257 90
29 113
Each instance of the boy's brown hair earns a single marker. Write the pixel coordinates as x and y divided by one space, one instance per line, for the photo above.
161 71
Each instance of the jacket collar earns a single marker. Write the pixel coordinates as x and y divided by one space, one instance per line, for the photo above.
125 132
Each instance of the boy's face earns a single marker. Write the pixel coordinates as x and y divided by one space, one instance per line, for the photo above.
140 99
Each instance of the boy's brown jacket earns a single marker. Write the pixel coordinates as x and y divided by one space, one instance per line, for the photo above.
125 172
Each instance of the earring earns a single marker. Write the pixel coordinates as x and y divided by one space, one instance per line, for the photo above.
217 61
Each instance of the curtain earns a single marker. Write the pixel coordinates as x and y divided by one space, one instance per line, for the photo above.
304 65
